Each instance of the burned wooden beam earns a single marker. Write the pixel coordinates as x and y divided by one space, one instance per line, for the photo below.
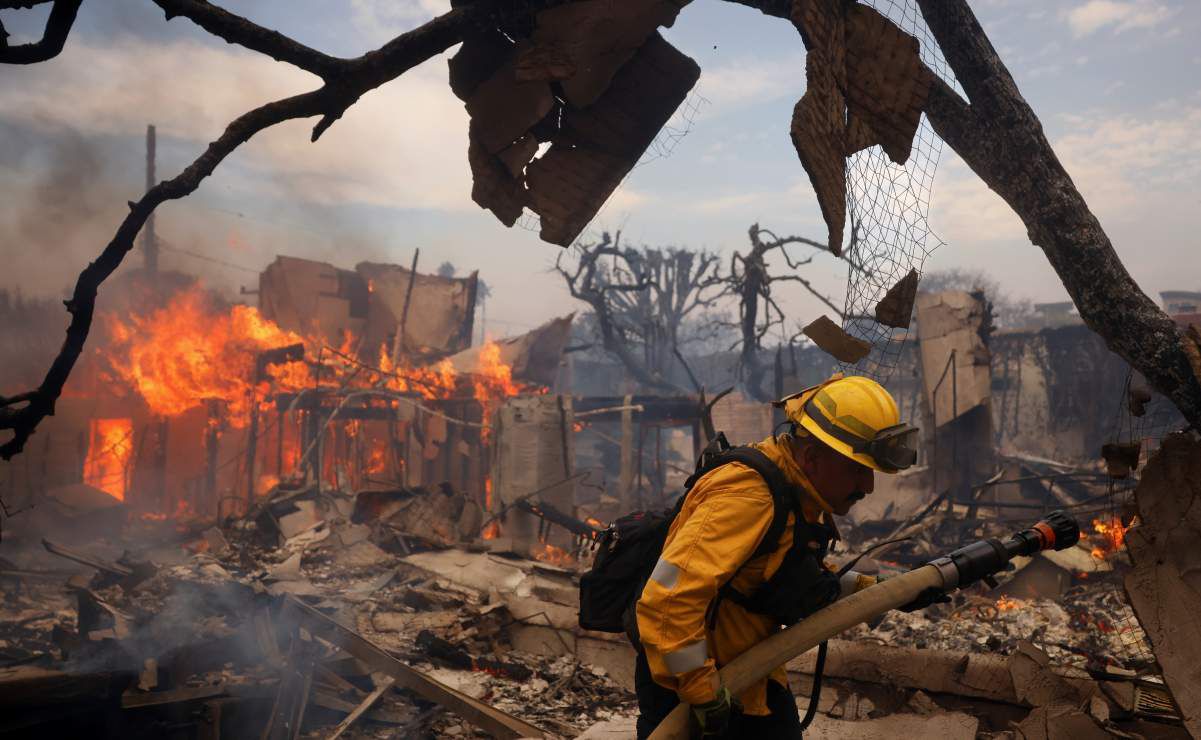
139 699
651 409
548 513
327 700
362 708
450 655
292 696
487 718
26 686
277 356
35 575
85 559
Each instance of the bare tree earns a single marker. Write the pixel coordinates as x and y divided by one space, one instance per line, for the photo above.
641 299
750 279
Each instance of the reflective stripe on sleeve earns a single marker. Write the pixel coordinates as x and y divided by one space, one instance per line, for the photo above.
665 574
687 658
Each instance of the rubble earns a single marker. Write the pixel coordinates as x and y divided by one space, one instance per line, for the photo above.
219 631
356 615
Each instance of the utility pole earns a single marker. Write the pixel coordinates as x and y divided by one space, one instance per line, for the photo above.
149 243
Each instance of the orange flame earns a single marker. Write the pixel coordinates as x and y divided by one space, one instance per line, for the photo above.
492 530
1005 604
109 450
554 555
435 381
188 351
192 349
377 456
1112 536
197 349
266 482
492 382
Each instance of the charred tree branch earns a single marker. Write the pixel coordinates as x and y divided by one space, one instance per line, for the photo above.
640 300
238 30
752 284
54 38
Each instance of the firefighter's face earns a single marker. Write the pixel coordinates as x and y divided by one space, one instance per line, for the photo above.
840 480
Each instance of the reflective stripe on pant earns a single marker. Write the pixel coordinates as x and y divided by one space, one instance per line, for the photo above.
656 702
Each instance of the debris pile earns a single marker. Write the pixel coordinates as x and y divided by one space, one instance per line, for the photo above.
322 614
324 630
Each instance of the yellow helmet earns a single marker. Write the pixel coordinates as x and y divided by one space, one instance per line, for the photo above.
856 417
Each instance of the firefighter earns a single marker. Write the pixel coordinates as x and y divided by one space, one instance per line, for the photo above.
710 598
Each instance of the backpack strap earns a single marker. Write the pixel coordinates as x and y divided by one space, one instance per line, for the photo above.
783 494
784 500
709 460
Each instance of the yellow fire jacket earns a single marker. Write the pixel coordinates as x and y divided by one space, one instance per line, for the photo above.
725 515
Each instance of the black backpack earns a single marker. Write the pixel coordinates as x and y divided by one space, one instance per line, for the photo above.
628 550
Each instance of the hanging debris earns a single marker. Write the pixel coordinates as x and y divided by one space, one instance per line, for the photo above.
896 307
865 85
834 341
619 83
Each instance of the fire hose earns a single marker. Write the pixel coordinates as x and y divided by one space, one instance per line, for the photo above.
979 561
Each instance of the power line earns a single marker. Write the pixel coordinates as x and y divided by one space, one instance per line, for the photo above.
206 258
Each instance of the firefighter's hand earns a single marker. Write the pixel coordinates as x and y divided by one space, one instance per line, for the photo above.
713 717
929 597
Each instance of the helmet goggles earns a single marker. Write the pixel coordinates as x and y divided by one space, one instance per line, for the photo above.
893 448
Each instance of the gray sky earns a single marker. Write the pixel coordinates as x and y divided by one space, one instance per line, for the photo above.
1115 83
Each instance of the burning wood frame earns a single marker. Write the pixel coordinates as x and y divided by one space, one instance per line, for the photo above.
194 408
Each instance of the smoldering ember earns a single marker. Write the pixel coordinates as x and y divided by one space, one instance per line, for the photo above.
326 452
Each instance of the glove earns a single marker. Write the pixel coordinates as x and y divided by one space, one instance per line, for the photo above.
929 597
713 717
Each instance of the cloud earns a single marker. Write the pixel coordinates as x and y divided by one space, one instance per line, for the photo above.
1121 15
963 209
403 145
1120 163
732 201
380 20
1123 165
752 80
624 199
1140 175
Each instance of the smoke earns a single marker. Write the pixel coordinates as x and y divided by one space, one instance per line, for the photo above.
62 205
63 201
190 627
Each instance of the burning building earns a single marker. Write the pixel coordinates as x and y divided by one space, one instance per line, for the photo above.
189 406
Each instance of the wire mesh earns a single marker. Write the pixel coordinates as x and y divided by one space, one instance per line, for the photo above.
673 132
888 206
